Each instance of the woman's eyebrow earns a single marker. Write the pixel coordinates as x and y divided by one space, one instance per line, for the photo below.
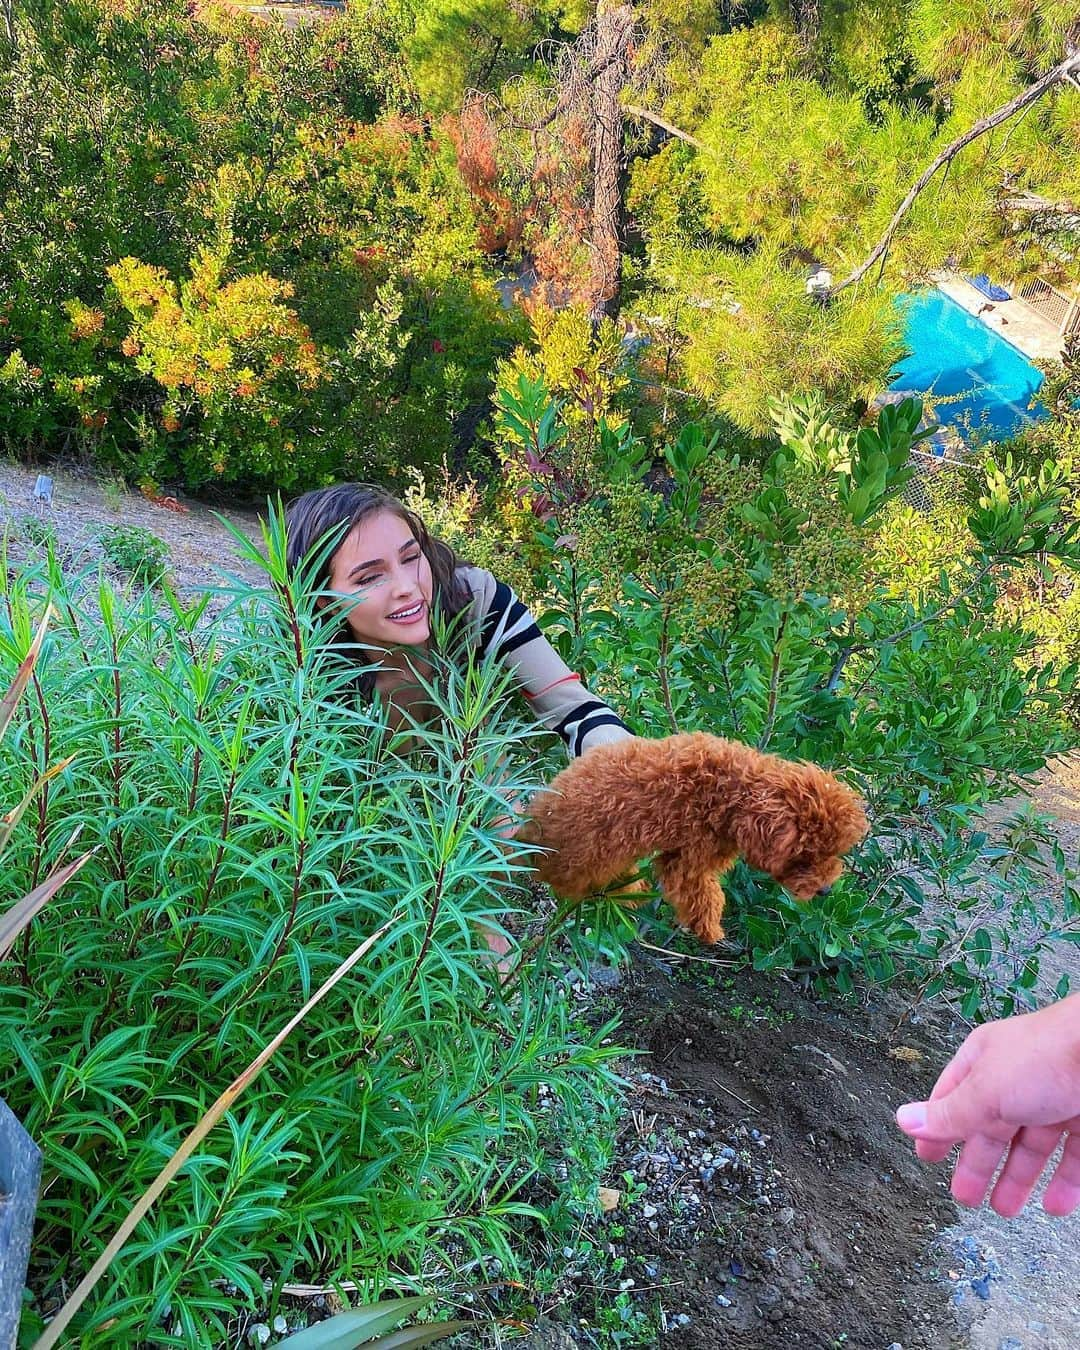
380 562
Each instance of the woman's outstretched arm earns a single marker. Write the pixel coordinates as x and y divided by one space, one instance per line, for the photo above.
556 694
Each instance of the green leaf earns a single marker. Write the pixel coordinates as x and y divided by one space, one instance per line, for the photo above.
409 1338
356 1326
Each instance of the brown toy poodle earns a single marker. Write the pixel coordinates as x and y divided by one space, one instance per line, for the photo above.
698 802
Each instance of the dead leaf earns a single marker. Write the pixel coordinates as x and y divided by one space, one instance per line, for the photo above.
609 1198
906 1054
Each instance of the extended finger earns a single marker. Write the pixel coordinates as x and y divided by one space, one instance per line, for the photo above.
950 1078
1031 1149
933 1150
978 1161
1063 1194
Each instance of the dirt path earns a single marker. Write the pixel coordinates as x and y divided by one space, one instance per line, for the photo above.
201 549
771 1202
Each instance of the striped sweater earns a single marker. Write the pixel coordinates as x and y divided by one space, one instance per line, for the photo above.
506 629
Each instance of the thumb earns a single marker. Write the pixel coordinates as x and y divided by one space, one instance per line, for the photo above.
946 1119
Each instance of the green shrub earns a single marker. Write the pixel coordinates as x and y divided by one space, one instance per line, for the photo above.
252 824
271 299
41 533
135 550
740 598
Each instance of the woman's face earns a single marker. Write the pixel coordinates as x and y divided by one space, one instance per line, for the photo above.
387 581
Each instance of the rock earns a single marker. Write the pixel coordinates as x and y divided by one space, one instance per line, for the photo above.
1039 1328
724 1301
896 1346
1010 1343
609 1198
258 1334
786 1216
20 1174
981 1287
549 1335
605 977
279 1325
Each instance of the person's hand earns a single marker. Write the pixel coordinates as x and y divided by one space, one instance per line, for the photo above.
1012 1088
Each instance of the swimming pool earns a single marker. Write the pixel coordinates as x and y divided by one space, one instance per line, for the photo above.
987 381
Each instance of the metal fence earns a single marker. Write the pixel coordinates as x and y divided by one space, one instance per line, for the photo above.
1062 310
933 471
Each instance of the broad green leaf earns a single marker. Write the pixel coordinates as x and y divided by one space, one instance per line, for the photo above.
356 1325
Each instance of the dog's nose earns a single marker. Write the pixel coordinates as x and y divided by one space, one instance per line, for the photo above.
825 890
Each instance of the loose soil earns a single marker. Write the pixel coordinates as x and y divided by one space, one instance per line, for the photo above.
766 1197
788 1211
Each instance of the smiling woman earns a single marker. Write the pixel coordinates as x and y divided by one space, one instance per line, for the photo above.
391 591
391 577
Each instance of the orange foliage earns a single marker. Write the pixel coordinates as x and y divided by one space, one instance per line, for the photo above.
498 223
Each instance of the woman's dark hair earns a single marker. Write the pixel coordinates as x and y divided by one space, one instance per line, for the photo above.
340 509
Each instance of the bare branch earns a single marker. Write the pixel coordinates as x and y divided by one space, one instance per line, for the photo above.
658 121
1060 73
572 76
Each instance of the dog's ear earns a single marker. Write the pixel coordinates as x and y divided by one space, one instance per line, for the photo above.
767 840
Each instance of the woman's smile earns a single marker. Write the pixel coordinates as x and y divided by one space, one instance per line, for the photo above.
412 615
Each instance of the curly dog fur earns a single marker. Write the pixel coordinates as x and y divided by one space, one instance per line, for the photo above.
698 802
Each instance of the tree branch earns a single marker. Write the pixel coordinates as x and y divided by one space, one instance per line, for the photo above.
658 121
1064 70
568 93
9 23
774 684
833 682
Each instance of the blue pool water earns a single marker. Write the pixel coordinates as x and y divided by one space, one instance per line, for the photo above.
954 354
